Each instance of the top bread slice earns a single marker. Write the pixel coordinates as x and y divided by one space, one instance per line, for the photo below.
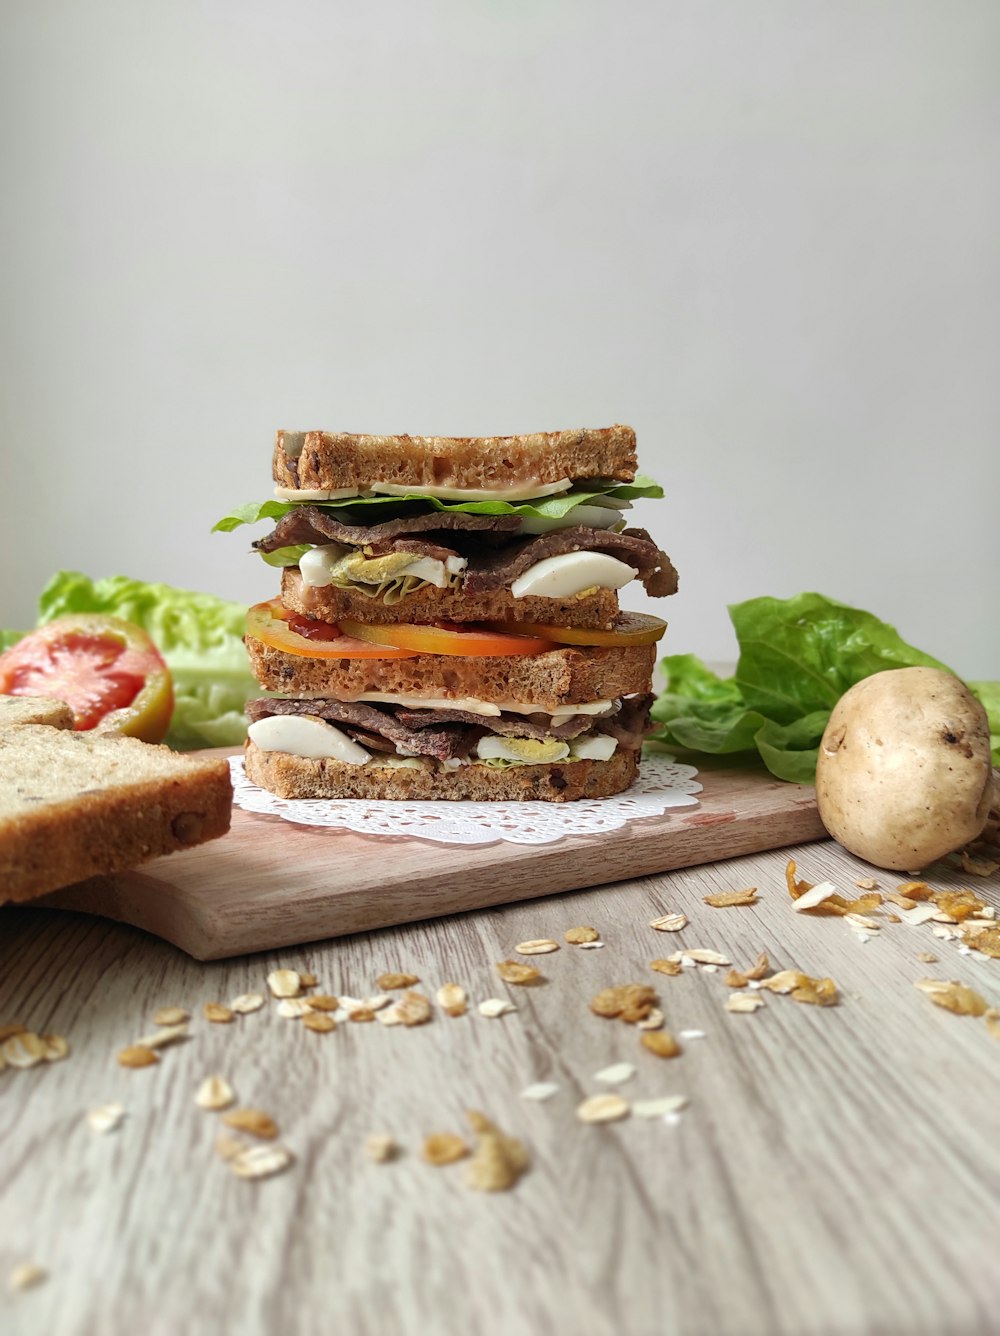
77 804
327 461
34 710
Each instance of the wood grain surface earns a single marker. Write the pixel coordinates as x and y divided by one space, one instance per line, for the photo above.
836 1172
270 883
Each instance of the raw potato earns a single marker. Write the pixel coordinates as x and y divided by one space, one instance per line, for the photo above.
904 772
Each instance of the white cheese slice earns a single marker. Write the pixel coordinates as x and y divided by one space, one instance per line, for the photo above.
305 735
314 493
472 705
523 491
571 573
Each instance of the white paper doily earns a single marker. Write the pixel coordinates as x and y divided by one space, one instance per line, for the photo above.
662 783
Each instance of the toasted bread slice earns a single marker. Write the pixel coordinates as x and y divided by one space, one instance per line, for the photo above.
74 805
34 710
301 777
328 461
560 676
596 611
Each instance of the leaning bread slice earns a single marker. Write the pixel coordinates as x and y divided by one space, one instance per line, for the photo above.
73 805
331 461
548 680
291 776
34 710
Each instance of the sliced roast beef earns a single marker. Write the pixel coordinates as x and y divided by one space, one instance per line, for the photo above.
499 569
631 724
506 724
442 742
312 524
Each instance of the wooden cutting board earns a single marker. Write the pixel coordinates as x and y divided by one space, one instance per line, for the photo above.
269 884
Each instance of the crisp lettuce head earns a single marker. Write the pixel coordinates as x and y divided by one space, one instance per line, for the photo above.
797 658
199 635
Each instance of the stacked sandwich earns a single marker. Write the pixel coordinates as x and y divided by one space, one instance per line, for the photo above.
449 625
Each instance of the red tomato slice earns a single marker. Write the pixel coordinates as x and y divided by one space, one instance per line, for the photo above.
272 624
630 628
108 672
471 639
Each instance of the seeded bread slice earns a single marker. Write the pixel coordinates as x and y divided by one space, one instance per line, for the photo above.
302 777
331 460
73 805
595 611
34 710
556 677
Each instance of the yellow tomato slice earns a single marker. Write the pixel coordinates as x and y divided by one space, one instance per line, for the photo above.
630 628
272 624
477 641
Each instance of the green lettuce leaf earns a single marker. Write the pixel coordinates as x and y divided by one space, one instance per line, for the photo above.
199 635
549 507
797 658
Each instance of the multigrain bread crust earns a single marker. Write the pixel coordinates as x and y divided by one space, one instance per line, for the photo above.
327 603
555 677
34 710
290 776
330 460
74 805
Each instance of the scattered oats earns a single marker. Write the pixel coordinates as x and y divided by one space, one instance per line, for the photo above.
866 884
603 1109
616 1074
731 899
953 996
255 1122
307 979
293 1008
964 950
669 922
945 934
352 1004
380 1147
959 905
863 921
284 983
137 1055
497 1161
927 957
55 1046
892 918
171 1016
324 1002
540 1090
582 936
803 988
541 946
692 1034
815 895
25 1275
512 972
654 1021
495 1006
106 1117
984 937
700 956
361 1015
632 1001
662 1043
217 1012
443 1148
410 1009
452 998
260 1161
227 1147
214 1093
665 966
903 901
744 1002
592 946
915 890
979 867
8 1031
710 969
247 1002
393 981
320 1022
23 1050
992 1018
166 1034
659 1108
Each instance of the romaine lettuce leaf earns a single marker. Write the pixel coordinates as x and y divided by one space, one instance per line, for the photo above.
549 507
797 658
199 635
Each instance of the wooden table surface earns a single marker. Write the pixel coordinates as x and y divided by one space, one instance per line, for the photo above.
837 1170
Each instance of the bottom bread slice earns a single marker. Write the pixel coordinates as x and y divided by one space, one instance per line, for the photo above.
75 805
290 776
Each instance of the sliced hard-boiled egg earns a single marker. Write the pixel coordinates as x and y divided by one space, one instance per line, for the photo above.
306 735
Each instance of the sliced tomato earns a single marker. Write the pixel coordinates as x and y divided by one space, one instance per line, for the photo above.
108 672
448 638
629 628
272 624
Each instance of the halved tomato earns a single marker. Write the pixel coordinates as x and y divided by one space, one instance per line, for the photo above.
630 628
448 638
107 670
272 624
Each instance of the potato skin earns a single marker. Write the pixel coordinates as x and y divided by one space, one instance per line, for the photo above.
904 774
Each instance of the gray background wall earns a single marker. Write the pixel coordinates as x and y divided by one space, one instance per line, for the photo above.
762 231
